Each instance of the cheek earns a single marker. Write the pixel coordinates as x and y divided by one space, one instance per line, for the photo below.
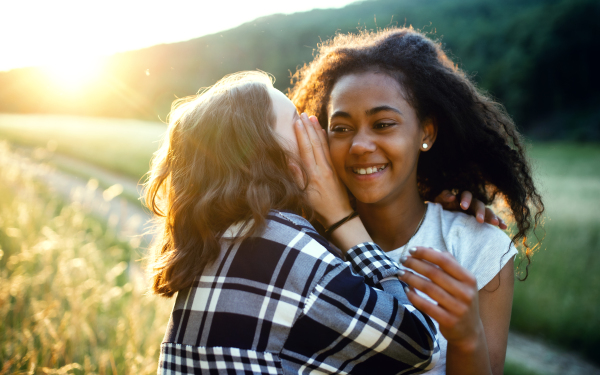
337 150
292 142
293 146
287 137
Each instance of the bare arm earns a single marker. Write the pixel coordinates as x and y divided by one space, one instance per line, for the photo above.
495 305
476 329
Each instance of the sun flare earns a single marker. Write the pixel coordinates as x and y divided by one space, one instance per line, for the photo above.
73 75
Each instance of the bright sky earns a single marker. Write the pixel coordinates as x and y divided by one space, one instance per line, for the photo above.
59 32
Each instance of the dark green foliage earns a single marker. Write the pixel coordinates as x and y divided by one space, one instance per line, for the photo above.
511 368
538 57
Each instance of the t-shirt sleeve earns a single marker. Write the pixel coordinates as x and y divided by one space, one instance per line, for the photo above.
481 248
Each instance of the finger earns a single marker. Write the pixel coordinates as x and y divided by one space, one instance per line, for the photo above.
445 196
502 224
436 312
437 276
465 199
322 137
304 146
444 260
438 294
491 218
317 146
479 210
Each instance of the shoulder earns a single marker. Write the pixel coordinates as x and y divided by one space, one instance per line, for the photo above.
265 277
461 227
290 236
480 247
290 227
287 240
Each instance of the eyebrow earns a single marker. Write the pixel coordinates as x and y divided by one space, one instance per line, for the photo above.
340 114
368 112
372 111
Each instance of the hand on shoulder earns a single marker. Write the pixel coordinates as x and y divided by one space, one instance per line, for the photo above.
469 205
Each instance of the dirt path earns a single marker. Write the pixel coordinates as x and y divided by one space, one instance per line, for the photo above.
546 359
101 193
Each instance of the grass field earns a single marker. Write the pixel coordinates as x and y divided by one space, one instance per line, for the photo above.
124 146
72 297
560 301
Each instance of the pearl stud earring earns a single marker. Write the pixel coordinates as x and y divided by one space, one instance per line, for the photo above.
425 146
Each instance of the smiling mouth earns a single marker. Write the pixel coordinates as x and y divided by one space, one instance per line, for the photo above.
369 170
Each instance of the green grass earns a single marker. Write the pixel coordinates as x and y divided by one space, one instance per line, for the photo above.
124 146
72 298
512 368
560 301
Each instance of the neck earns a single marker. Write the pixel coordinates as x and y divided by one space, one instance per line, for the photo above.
392 224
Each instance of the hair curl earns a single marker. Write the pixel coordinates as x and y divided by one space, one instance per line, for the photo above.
477 148
220 163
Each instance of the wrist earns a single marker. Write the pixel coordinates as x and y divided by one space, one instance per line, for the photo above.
469 356
350 234
334 217
470 344
339 223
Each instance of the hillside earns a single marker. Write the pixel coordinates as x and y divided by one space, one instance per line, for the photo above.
536 56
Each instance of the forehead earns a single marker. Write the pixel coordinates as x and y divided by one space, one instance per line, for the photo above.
366 89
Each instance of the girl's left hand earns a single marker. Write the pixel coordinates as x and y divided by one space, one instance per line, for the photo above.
454 289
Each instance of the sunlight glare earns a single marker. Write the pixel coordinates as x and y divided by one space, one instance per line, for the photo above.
74 74
102 28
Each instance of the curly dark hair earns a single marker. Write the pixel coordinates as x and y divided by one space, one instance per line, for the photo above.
478 147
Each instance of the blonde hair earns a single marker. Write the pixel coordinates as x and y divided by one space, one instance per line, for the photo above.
219 164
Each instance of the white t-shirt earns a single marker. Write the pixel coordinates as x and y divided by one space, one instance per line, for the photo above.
481 248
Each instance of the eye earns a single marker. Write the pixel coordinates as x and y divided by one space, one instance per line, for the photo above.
340 129
383 125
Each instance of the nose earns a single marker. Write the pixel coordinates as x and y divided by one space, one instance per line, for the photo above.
362 143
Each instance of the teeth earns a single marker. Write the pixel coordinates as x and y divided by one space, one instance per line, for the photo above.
369 170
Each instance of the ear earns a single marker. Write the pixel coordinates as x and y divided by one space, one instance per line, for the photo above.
428 133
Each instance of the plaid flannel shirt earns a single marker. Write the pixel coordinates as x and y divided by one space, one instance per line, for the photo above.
285 303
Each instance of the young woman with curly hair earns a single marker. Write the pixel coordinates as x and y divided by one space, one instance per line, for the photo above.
404 123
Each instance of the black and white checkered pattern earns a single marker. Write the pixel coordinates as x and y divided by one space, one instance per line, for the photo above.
284 303
188 359
370 261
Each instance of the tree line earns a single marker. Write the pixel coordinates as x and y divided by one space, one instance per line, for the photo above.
538 57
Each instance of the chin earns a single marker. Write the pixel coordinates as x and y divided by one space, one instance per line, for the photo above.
366 198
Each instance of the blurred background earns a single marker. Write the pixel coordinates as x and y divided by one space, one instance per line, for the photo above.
85 88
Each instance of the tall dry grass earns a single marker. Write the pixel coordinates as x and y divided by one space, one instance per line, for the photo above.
72 296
